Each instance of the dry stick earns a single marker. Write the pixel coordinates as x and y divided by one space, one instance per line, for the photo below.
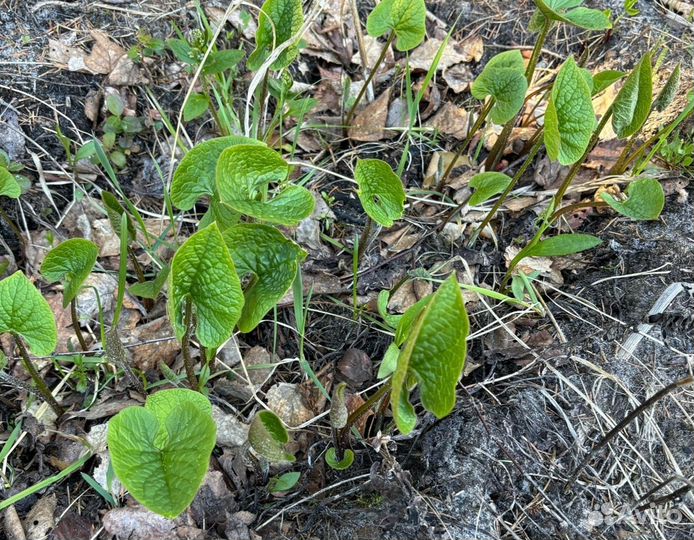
364 408
578 206
185 346
40 384
627 420
76 325
364 238
362 46
350 115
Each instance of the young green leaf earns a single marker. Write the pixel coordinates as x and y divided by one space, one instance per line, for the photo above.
408 320
645 202
669 91
9 187
571 12
196 106
195 176
503 78
244 173
270 259
486 185
203 271
562 245
151 289
71 262
337 465
279 21
161 452
220 61
570 119
25 312
633 103
630 6
268 437
406 18
434 354
389 362
283 483
380 191
605 79
382 303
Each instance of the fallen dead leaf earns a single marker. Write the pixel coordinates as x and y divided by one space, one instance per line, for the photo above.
104 55
408 294
458 77
39 521
13 525
399 240
470 50
146 356
374 48
450 120
355 367
439 163
543 265
369 123
138 523
286 401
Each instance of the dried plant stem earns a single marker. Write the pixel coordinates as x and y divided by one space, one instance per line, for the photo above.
76 325
185 346
354 417
40 384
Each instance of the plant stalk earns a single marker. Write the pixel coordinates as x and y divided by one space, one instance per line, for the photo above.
364 238
76 325
40 384
185 347
354 417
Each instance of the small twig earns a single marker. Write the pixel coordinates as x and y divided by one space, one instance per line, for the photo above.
76 325
40 384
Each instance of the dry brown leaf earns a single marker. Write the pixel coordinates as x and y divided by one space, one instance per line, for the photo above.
408 294
458 77
138 523
399 240
374 48
126 73
543 265
286 401
66 335
450 120
239 19
470 50
105 54
369 123
146 356
439 163
39 521
355 367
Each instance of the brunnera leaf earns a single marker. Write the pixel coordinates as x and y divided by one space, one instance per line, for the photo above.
406 18
203 271
279 21
336 464
605 79
503 78
71 263
283 483
562 245
570 118
220 61
434 355
244 174
571 12
161 452
486 185
268 437
645 201
271 260
196 106
633 103
25 312
151 289
9 187
380 191
195 176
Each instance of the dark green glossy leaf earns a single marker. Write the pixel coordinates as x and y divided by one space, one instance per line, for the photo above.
486 185
380 191
645 201
71 263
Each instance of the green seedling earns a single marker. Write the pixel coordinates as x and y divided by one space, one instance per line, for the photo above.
26 316
12 183
279 22
71 263
280 485
269 438
161 452
678 152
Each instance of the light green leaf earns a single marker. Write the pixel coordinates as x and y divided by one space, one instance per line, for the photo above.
434 354
382 303
486 185
337 465
645 202
220 61
633 103
71 263
268 437
605 79
271 261
151 289
195 176
244 173
283 483
570 119
571 12
161 452
669 91
9 187
278 22
380 191
203 271
503 78
408 319
195 107
389 362
25 312
407 18
562 245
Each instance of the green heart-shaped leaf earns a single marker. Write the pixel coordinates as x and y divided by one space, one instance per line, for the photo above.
244 173
571 12
633 103
570 119
407 18
203 271
196 106
71 262
195 176
434 355
380 191
486 185
283 483
503 78
268 437
220 61
278 22
270 259
339 465
9 187
562 245
25 312
161 452
645 202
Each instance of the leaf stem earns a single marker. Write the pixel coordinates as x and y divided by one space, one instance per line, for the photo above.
40 384
185 346
364 238
76 325
354 417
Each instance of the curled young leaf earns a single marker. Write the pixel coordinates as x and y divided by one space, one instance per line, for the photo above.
23 311
244 175
570 119
271 261
279 21
389 362
504 79
645 202
339 465
70 262
406 18
9 187
669 91
161 452
195 176
633 103
338 407
202 270
380 191
268 437
486 185
571 12
562 245
434 355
